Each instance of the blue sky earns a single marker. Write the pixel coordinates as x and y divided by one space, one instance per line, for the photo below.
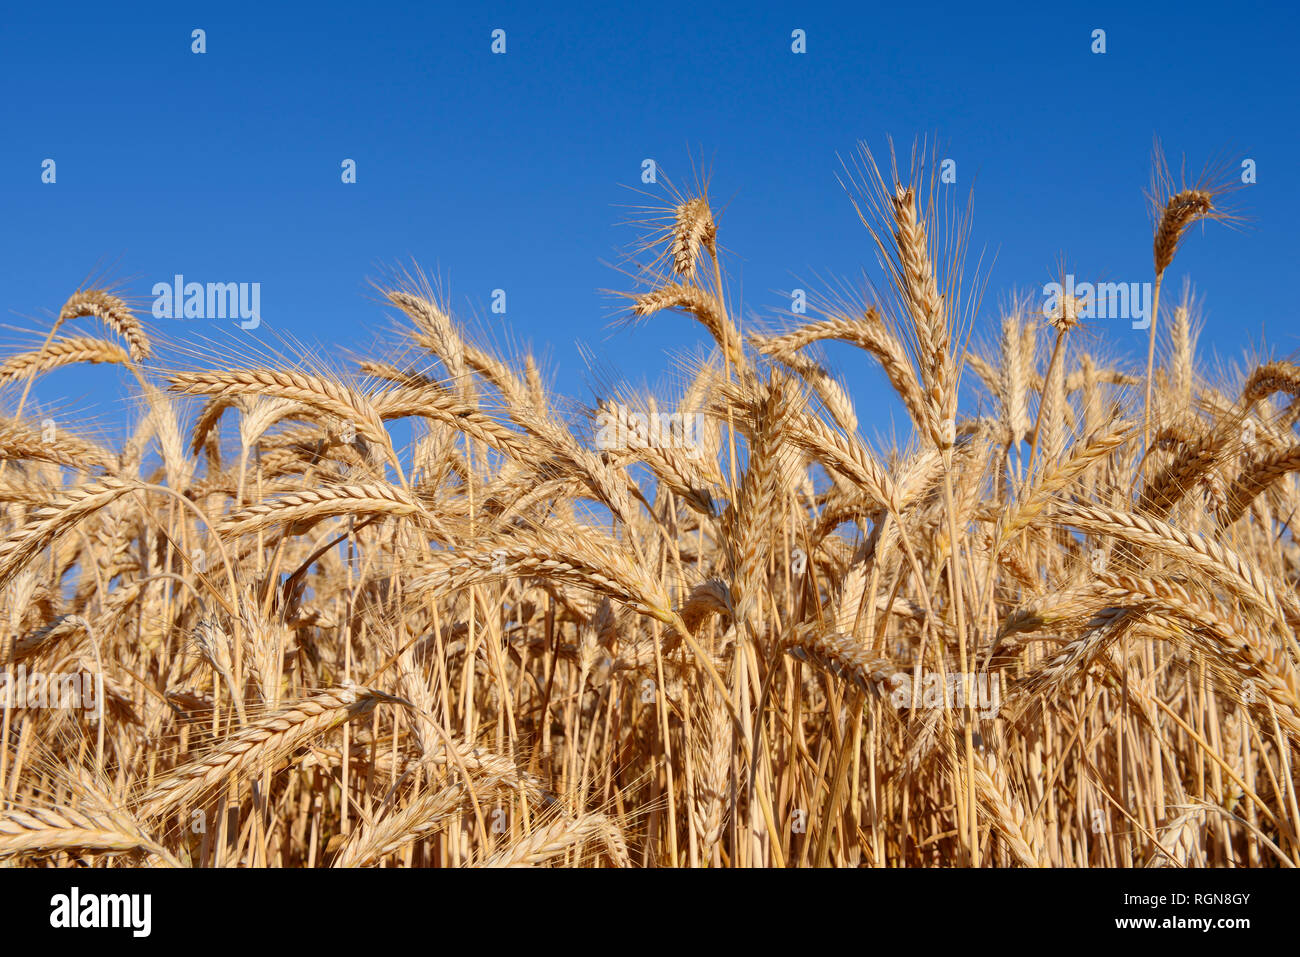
513 171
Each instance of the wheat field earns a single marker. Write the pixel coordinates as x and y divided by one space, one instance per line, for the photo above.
1051 624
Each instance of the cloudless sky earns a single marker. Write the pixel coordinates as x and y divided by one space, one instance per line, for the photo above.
512 171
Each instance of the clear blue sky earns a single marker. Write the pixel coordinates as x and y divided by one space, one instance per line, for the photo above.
510 171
